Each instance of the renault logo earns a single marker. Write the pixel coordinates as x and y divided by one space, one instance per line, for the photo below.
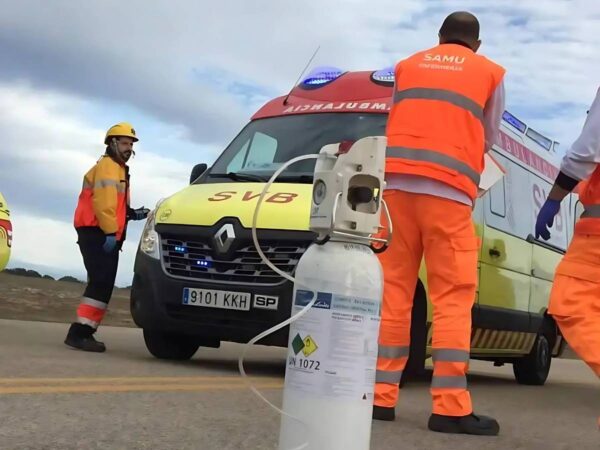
165 215
224 238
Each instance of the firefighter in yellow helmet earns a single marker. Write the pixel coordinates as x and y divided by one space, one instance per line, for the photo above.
101 221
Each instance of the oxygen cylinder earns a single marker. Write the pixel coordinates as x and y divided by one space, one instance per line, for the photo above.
332 349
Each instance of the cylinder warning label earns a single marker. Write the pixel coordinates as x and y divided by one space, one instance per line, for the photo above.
333 347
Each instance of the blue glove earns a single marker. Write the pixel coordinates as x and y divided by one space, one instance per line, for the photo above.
110 243
545 218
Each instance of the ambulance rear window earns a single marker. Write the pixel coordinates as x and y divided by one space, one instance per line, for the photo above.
265 144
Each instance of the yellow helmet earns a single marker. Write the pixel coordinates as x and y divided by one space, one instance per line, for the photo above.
121 129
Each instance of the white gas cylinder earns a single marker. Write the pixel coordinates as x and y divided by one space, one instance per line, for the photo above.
332 349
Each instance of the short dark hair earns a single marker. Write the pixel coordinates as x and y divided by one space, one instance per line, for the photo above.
461 26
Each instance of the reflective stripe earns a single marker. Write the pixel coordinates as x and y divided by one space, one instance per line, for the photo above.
424 155
443 95
393 351
89 322
458 382
592 211
450 355
95 303
384 376
107 183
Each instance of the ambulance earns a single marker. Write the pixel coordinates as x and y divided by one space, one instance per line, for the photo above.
5 233
199 281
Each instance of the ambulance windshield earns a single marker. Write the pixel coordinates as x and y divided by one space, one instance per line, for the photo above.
264 145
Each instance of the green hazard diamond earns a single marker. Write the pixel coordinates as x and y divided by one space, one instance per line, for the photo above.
297 344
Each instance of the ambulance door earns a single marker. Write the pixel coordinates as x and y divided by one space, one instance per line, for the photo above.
479 221
505 269
545 254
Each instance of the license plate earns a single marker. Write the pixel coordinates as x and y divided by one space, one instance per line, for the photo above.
217 299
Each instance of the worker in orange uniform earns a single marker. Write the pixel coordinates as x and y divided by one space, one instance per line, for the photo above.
575 297
101 221
447 106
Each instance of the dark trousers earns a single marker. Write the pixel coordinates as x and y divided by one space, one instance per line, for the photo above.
101 266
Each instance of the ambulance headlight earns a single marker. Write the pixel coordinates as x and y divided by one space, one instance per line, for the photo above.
150 241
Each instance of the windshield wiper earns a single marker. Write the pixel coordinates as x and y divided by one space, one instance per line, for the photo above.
304 179
237 176
283 178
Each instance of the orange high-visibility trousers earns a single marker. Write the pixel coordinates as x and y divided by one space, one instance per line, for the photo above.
575 298
442 231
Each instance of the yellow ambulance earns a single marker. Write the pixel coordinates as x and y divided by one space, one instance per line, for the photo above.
199 281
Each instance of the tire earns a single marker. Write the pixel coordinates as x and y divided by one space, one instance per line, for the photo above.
171 346
534 368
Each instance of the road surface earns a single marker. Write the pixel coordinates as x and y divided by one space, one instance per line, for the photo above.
53 397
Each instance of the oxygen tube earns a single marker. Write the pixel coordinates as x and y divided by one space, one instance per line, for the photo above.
284 275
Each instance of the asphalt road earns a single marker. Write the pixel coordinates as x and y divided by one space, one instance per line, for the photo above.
53 397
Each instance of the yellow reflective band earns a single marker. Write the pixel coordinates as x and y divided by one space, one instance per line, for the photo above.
592 211
84 321
95 303
443 95
393 351
384 376
456 382
449 355
107 183
419 154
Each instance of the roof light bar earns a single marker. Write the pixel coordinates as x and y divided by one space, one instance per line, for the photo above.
386 75
518 124
322 75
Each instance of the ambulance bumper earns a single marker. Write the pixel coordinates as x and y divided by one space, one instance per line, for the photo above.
157 303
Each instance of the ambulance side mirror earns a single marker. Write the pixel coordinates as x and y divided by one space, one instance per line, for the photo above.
198 170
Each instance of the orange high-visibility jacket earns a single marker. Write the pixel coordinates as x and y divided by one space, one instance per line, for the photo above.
589 195
104 198
435 127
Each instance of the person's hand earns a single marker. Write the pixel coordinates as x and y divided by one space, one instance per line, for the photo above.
138 214
545 218
110 243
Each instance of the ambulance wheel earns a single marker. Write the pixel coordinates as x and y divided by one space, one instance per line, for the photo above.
163 345
534 368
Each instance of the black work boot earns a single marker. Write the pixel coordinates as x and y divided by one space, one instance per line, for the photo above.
383 413
81 336
471 424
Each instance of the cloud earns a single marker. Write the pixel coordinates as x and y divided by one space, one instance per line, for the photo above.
47 149
146 56
208 69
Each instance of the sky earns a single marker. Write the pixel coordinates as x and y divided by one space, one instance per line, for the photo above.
189 74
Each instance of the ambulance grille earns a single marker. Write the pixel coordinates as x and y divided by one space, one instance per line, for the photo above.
198 261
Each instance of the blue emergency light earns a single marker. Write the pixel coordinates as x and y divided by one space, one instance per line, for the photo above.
203 263
322 75
386 75
180 249
519 125
539 138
